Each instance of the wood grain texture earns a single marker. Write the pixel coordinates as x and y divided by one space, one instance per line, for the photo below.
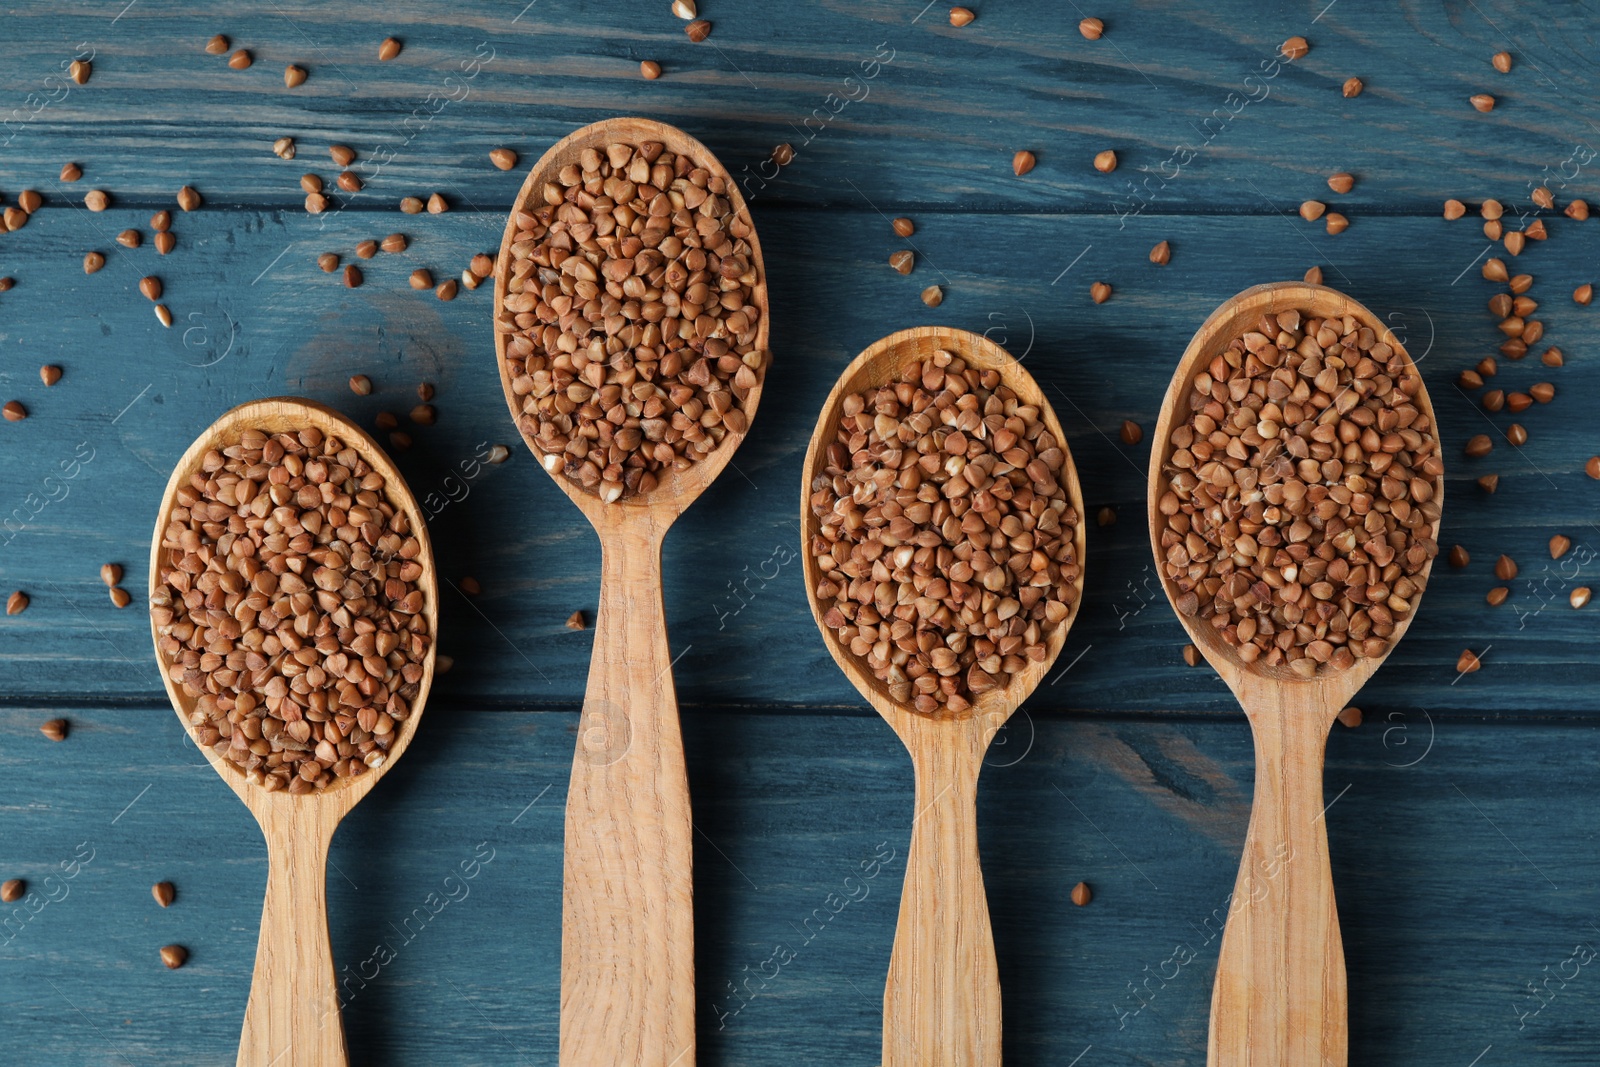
1280 992
627 917
941 997
1187 94
467 970
293 1017
941 1002
735 602
1462 878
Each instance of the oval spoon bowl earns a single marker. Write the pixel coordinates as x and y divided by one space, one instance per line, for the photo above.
877 365
278 415
677 489
292 1018
1232 318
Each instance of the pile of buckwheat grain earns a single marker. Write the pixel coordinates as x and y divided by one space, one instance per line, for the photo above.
289 607
1303 487
631 312
946 546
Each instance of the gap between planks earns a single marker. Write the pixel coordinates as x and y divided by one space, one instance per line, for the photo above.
139 703
499 211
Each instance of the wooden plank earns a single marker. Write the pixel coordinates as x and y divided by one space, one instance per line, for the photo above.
787 810
262 319
1462 857
1189 95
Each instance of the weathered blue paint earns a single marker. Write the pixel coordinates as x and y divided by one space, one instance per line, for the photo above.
1462 845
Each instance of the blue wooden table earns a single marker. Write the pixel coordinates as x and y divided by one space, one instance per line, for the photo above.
1462 812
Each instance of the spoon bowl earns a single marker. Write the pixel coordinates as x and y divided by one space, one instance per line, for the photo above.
293 1018
1280 994
627 917
677 489
942 997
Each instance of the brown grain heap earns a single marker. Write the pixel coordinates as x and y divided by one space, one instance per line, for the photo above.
1303 486
288 609
631 317
947 542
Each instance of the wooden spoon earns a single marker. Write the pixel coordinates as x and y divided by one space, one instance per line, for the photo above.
941 1003
292 1018
627 916
1280 996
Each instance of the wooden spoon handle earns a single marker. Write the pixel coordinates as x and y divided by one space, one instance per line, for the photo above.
627 908
1280 994
941 1005
292 1018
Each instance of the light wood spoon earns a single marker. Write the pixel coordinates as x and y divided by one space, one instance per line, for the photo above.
293 1018
1280 998
627 914
941 1002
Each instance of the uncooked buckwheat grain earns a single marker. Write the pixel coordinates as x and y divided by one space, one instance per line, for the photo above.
1302 487
631 317
946 548
288 607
